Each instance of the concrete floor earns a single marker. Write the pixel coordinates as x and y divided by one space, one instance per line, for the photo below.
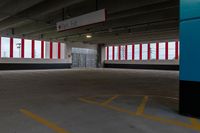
91 101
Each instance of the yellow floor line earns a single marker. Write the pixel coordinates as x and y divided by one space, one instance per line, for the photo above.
141 107
109 100
193 126
107 106
195 122
171 122
41 120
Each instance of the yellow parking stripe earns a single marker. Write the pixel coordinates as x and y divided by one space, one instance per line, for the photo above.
171 122
195 122
141 107
41 120
140 112
118 109
109 100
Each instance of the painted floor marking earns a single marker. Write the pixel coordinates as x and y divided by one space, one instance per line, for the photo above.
43 121
141 107
194 122
109 100
107 106
195 125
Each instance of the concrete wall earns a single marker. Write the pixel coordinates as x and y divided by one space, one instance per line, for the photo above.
154 62
157 65
30 61
103 54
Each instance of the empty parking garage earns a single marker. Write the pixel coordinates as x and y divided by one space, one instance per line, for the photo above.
99 66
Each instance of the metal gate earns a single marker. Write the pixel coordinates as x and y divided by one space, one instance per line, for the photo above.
84 58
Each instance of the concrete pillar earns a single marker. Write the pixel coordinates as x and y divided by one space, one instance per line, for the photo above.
190 57
100 55
103 54
68 52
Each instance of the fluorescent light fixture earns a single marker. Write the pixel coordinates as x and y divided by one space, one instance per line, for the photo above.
88 36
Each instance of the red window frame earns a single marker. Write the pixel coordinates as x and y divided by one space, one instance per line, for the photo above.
42 49
0 46
59 50
33 49
51 50
126 52
141 51
133 51
119 52
11 47
176 50
22 47
149 51
166 50
113 52
157 50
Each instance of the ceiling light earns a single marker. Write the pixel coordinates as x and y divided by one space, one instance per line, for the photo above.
88 36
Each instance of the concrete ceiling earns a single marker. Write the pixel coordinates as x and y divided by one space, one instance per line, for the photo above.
127 20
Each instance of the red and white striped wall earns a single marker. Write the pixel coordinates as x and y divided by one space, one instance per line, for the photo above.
168 50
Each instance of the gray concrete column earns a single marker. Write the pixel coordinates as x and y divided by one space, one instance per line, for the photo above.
103 52
68 52
100 55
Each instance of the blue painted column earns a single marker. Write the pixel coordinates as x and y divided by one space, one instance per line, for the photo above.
190 58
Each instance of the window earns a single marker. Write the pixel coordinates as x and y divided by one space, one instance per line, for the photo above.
153 51
162 51
129 52
27 48
137 52
171 52
122 52
116 52
47 49
5 49
62 50
144 51
110 53
37 49
55 50
17 48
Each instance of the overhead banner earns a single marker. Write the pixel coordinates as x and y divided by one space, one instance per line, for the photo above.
83 20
